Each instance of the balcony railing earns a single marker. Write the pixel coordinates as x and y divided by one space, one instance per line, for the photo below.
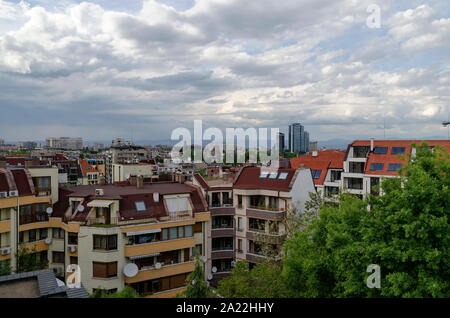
265 208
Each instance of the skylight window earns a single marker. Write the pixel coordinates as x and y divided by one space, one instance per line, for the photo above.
398 150
283 175
140 206
264 174
376 166
316 173
380 150
273 175
395 166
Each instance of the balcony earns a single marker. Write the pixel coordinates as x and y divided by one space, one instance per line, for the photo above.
159 247
222 253
271 238
223 210
34 218
168 270
276 215
255 258
171 293
222 232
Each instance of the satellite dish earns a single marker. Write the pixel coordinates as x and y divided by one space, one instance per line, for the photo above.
158 265
210 276
49 210
214 269
204 259
130 270
193 282
81 208
233 263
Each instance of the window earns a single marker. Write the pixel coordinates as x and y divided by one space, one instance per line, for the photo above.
376 166
395 166
198 250
283 175
316 173
43 234
73 239
240 246
273 175
74 260
380 150
188 231
173 233
58 233
104 270
264 174
335 175
58 257
105 242
240 224
398 150
31 235
140 206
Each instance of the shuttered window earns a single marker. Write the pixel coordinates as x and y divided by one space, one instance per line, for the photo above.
104 270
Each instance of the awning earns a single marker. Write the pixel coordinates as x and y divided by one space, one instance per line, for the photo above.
143 232
144 256
99 204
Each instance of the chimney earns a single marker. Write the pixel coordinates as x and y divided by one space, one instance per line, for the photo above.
372 144
140 182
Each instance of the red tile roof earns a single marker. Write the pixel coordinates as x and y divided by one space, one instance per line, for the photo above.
249 178
326 159
86 168
128 194
389 158
16 179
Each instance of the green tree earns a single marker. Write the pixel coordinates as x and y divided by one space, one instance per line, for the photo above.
405 231
5 268
28 261
197 287
127 292
263 281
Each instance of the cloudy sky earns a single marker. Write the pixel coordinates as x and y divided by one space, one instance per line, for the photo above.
114 68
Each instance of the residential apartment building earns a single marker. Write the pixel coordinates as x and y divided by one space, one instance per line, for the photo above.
89 174
326 169
250 208
121 172
368 162
25 220
123 153
64 143
136 234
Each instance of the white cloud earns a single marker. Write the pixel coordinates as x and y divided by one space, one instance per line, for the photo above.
229 62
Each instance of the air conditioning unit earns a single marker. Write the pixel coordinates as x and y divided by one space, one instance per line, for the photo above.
14 193
72 248
3 194
99 192
6 251
48 240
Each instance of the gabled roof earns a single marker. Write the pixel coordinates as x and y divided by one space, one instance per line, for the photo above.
86 168
326 159
249 179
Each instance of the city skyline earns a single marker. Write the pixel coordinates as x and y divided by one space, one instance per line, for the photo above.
148 67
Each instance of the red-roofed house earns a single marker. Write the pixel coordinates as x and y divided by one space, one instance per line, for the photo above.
369 161
261 199
90 175
326 168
